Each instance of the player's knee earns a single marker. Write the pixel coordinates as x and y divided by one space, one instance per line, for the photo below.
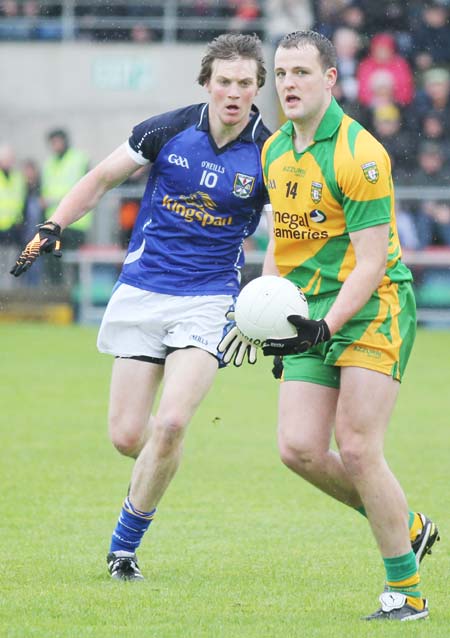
298 455
168 432
126 438
355 455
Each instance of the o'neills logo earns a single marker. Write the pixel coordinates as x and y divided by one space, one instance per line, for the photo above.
193 207
295 226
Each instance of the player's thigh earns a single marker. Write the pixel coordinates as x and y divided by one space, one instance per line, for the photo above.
365 405
188 375
134 385
380 336
306 415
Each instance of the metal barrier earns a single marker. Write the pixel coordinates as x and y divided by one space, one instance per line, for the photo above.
91 300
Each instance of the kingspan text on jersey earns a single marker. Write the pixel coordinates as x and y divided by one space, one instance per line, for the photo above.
195 214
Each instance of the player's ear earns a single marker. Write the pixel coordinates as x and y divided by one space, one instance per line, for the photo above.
331 77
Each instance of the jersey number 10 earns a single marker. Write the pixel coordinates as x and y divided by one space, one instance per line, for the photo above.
208 179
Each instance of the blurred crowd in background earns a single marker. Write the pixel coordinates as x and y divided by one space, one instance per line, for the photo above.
394 77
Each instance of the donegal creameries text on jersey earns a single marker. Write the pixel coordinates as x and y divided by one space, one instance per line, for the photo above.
340 184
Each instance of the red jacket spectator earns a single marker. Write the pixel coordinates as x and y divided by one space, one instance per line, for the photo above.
383 57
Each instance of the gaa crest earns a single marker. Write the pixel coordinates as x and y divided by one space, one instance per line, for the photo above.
243 185
316 191
371 173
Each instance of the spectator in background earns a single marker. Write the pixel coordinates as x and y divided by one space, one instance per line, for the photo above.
381 12
62 170
406 226
353 16
328 16
431 42
434 95
11 28
432 215
141 31
141 34
435 128
284 15
33 212
200 9
12 198
399 143
431 169
130 205
383 57
347 43
246 12
353 108
382 89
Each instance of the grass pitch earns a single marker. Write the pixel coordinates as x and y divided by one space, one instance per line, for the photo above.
240 546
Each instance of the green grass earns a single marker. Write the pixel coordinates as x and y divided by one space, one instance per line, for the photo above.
240 548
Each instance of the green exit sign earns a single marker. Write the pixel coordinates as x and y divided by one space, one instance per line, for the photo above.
122 74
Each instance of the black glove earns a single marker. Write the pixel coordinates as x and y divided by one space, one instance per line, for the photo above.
309 334
46 240
277 369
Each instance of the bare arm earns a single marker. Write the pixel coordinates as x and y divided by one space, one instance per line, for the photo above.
371 251
269 265
86 193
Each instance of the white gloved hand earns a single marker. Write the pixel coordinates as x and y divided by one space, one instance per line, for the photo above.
234 344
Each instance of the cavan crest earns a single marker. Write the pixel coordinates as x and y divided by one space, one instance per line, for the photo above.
316 191
371 173
243 185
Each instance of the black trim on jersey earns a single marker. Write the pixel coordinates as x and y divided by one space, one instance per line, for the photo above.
255 131
149 137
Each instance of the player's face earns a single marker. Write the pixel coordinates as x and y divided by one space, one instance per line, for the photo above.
303 87
232 87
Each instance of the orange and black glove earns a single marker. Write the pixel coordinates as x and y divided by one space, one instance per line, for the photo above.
46 240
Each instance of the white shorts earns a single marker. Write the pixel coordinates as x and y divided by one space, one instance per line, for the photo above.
141 323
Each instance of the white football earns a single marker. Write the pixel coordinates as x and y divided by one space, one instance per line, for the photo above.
263 305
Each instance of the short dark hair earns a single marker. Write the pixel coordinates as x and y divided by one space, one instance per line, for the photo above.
230 46
58 132
327 52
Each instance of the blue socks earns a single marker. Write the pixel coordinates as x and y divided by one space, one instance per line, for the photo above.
130 528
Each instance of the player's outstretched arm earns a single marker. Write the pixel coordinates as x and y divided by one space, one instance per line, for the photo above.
84 196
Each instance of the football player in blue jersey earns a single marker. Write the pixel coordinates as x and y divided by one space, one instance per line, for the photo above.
166 316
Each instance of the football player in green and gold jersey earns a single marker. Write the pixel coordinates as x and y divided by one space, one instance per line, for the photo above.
334 235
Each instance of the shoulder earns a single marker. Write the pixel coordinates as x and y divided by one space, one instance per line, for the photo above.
277 143
263 135
175 120
149 136
354 142
361 164
255 131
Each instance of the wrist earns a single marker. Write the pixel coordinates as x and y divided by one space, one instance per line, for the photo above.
333 327
55 227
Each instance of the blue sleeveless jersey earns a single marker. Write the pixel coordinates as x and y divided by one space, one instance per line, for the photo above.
199 205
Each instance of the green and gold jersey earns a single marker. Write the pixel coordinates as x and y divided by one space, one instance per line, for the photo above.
340 184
